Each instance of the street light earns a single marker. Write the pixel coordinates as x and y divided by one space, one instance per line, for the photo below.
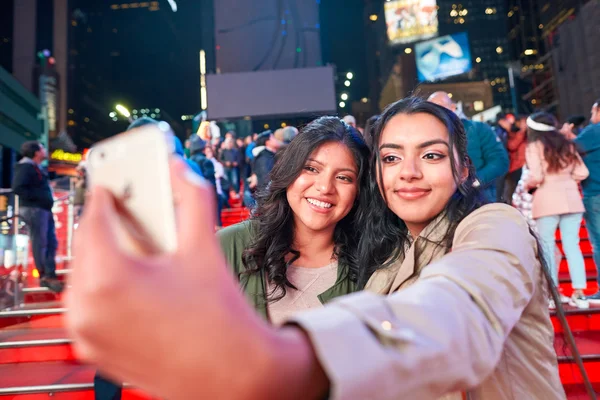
347 83
349 75
123 111
344 96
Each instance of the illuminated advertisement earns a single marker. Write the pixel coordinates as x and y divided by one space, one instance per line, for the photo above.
411 20
443 57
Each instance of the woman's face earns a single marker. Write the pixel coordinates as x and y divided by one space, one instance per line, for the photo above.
324 192
415 168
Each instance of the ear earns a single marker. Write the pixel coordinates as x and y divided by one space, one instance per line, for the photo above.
465 170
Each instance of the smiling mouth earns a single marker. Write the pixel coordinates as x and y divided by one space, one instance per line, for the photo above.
412 194
320 204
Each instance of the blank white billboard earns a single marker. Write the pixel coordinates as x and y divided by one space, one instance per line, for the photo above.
287 92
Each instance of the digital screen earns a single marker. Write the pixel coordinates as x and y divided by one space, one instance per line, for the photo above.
443 57
300 91
411 20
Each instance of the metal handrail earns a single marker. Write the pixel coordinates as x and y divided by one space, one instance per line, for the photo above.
34 311
5 219
46 388
34 343
63 387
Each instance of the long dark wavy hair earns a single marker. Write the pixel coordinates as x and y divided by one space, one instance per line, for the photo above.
273 219
559 151
386 236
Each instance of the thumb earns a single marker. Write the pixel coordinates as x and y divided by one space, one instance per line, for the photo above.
95 239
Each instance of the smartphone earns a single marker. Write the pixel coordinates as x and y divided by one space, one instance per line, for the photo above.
134 166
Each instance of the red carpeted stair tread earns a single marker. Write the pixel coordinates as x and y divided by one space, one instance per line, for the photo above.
26 334
83 394
578 392
53 321
588 343
45 373
564 276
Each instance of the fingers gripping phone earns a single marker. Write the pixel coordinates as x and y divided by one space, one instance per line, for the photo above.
134 166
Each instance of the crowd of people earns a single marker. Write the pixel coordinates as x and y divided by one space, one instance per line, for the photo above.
442 225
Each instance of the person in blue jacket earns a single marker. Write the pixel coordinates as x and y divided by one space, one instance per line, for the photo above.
486 151
588 142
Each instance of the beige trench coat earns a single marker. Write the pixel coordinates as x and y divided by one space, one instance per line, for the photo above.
475 319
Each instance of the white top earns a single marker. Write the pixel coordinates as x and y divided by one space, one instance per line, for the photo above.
311 282
219 173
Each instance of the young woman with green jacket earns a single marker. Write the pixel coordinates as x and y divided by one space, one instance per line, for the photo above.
298 249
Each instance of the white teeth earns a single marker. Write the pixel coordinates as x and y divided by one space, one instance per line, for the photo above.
320 204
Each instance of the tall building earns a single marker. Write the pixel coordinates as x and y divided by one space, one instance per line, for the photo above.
138 54
555 43
19 105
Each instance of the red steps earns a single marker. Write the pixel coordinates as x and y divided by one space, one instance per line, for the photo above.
27 345
54 373
37 361
584 323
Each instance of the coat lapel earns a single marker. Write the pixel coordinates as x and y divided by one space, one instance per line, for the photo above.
406 270
423 250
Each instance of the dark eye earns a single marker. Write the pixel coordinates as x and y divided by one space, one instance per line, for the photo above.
310 169
345 178
433 156
390 159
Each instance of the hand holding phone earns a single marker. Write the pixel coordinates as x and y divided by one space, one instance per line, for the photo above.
134 166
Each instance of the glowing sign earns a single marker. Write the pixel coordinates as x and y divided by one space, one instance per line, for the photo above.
443 57
61 155
411 20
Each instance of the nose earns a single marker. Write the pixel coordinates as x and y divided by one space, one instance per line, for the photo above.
325 183
410 169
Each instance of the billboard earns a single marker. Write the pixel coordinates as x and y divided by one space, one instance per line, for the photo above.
299 91
443 57
411 20
266 35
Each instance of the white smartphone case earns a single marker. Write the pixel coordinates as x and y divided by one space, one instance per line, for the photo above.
134 166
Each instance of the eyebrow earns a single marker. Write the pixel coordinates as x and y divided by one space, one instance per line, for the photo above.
341 169
420 146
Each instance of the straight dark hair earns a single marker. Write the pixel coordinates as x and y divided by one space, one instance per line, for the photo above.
386 237
273 219
559 152
29 148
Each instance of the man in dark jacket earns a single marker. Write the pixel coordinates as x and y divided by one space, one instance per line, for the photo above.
264 157
486 151
31 184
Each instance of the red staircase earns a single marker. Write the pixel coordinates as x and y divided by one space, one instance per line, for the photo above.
585 325
36 357
37 360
